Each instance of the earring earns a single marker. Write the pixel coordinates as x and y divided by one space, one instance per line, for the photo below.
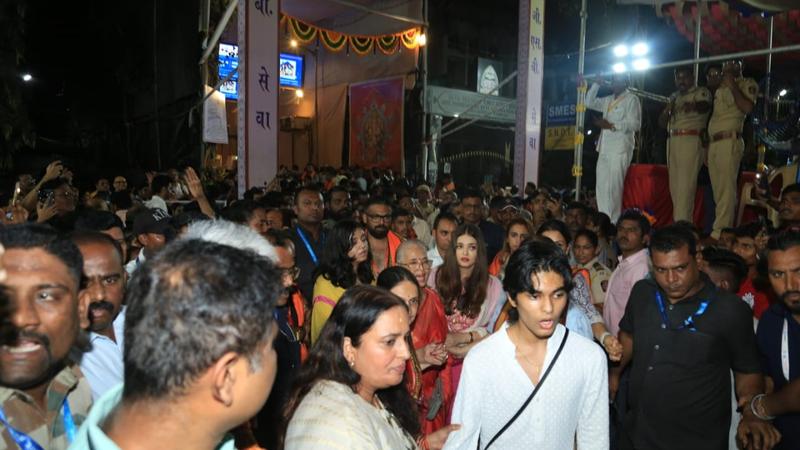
352 363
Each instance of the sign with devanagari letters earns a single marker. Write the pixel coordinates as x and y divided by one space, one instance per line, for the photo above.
258 92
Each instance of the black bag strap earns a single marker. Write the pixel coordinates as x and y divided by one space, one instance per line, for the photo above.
530 397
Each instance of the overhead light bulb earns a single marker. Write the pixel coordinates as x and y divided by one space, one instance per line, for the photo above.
27 77
293 43
619 68
299 93
783 92
641 64
621 51
640 49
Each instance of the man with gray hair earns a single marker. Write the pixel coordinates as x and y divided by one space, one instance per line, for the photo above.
193 348
225 232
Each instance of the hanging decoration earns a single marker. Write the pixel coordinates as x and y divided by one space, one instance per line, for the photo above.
334 41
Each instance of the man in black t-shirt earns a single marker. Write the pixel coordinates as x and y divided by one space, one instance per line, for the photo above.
689 336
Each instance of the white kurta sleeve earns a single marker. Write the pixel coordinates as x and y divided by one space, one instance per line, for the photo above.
466 410
592 432
592 102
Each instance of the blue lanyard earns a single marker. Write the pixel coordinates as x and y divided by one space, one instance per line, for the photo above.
308 245
26 442
688 323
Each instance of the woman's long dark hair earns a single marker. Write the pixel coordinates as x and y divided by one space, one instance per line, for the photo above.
334 263
448 277
354 314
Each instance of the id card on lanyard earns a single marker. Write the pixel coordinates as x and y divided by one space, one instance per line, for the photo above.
308 246
688 323
26 442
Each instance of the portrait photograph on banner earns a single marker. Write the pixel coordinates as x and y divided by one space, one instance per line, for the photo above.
376 124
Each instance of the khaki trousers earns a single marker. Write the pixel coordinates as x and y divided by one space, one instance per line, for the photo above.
724 157
684 157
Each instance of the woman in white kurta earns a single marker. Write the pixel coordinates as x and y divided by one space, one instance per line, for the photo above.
349 393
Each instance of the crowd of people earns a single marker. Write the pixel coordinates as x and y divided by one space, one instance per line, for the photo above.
335 311
348 308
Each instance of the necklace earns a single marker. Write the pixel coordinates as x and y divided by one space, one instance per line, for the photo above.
518 354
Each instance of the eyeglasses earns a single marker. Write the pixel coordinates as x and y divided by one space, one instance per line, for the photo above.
292 272
379 218
417 264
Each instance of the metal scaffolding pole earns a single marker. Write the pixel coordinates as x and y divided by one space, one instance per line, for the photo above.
580 110
209 46
725 57
769 67
424 148
698 32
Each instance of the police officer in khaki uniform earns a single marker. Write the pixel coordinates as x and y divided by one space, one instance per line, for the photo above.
585 249
733 100
685 117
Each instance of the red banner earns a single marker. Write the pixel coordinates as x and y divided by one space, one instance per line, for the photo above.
376 124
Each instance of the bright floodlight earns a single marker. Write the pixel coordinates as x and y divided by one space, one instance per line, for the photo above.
422 39
640 49
783 92
621 51
589 132
641 64
27 77
619 67
299 93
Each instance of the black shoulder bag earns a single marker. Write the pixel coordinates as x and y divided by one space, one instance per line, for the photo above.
530 397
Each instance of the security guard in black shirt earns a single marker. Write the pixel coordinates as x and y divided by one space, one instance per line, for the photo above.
689 337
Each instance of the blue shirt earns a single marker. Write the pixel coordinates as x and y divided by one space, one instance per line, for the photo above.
91 434
102 365
770 330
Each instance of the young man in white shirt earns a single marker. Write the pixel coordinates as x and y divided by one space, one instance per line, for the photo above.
533 384
443 228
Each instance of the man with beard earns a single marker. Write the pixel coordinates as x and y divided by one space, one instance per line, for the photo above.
422 230
43 396
779 332
685 118
383 243
308 236
102 290
338 206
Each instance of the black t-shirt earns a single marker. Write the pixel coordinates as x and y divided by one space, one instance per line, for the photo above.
304 261
770 337
680 384
494 235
